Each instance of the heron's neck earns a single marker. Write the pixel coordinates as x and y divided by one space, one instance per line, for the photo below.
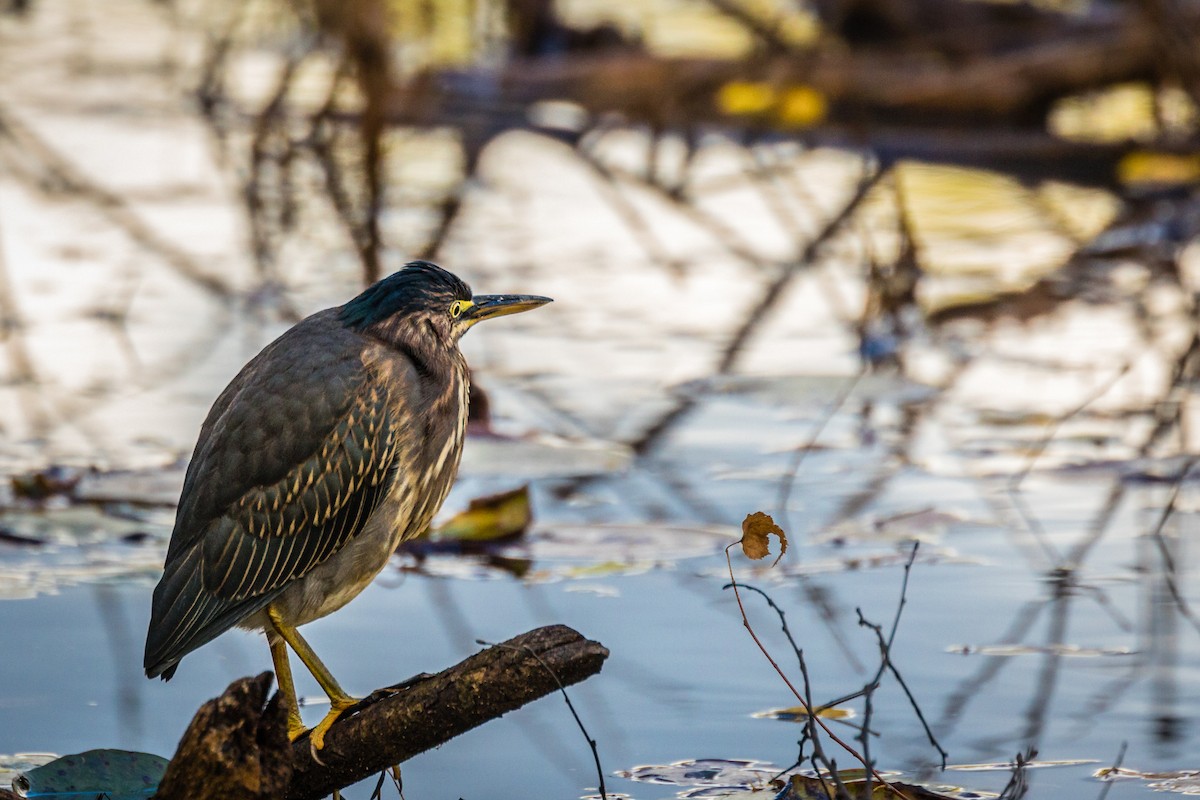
423 345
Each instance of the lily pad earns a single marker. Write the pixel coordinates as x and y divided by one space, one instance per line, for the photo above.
114 774
730 773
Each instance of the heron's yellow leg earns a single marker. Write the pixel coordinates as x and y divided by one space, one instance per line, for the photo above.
339 700
283 674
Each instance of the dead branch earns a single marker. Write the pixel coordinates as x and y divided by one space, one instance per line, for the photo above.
236 747
391 727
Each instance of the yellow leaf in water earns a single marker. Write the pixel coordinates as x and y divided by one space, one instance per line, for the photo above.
756 529
798 714
1159 168
488 519
743 98
801 107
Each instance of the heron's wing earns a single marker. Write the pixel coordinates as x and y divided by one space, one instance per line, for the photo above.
294 457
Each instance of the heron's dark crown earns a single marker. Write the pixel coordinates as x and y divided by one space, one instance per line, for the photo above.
419 287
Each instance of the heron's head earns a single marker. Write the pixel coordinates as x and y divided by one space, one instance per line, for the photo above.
424 303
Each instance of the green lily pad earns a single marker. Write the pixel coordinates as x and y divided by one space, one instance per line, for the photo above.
112 774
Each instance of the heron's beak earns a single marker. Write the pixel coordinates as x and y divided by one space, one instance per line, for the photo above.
486 306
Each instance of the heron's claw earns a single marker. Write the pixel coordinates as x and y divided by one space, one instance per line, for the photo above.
317 736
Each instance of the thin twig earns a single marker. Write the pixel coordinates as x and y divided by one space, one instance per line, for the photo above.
1113 771
886 664
1018 784
787 681
591 742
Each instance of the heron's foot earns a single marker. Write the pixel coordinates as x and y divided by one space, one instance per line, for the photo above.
339 705
296 728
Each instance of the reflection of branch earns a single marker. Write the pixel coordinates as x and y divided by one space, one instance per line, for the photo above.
67 179
1018 477
1056 635
769 298
725 235
270 124
1168 560
800 453
764 31
625 209
972 687
774 291
22 374
1116 766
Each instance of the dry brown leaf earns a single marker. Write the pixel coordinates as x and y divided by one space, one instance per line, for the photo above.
756 529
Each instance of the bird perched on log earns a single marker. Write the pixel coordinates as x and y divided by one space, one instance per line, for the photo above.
333 445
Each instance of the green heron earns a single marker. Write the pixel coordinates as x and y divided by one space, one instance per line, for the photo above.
333 445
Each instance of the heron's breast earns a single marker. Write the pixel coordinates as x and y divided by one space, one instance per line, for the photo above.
441 452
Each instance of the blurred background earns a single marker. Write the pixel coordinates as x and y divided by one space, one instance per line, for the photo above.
888 270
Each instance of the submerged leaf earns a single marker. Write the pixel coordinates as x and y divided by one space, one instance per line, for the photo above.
1184 781
115 774
756 529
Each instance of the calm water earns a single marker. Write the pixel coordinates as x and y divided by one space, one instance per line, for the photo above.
120 348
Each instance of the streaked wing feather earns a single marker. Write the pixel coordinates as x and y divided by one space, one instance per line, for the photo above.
276 414
316 515
187 617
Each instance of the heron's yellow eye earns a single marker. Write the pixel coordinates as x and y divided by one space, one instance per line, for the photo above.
458 307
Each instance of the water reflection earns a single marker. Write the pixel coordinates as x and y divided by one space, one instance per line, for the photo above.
1030 422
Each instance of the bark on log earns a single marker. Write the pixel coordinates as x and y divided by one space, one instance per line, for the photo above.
390 727
235 749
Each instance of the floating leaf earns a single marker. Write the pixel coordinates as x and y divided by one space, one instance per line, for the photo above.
798 714
490 519
1184 781
802 106
741 98
44 483
1065 650
756 529
1146 167
115 774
